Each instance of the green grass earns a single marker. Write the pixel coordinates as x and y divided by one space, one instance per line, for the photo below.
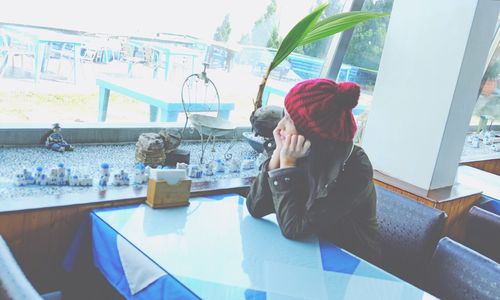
49 107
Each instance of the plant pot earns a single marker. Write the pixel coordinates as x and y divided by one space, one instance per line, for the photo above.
256 142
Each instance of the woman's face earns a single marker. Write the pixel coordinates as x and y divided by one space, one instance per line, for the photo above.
286 127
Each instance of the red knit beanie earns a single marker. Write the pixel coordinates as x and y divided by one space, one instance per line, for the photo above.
321 108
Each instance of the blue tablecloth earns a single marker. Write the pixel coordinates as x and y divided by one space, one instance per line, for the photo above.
213 249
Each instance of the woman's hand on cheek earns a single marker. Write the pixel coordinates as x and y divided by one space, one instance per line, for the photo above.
294 147
274 163
277 138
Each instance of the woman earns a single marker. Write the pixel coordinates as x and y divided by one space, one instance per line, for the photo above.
317 181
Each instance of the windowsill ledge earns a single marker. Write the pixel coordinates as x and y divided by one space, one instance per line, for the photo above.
94 133
221 186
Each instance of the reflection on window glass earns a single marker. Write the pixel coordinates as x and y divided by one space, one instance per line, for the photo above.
488 103
361 61
57 66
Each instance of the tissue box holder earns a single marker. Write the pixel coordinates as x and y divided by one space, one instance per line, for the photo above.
162 194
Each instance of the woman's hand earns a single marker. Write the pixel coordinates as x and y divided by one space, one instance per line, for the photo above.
274 163
294 147
278 139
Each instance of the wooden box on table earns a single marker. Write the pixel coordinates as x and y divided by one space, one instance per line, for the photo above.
162 194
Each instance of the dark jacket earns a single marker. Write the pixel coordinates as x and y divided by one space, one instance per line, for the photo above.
330 193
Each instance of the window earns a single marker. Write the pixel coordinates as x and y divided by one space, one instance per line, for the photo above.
50 61
487 106
362 58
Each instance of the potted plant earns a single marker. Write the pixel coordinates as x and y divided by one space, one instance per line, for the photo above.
490 79
307 30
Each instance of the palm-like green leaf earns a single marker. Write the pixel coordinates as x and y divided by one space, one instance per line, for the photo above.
338 23
296 35
309 30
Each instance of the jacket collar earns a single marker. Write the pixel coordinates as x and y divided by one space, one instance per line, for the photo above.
340 154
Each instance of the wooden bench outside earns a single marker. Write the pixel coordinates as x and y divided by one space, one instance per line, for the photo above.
159 95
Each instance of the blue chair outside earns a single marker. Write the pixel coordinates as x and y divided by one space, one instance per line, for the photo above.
409 232
60 51
483 232
12 46
306 67
132 54
458 272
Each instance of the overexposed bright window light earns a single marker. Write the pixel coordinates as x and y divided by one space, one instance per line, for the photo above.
199 18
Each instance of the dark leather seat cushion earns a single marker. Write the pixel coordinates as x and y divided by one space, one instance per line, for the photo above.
483 232
490 204
409 232
458 272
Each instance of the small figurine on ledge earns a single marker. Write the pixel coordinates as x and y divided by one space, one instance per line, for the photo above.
55 141
103 181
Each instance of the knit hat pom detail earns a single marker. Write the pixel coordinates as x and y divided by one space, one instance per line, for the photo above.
347 94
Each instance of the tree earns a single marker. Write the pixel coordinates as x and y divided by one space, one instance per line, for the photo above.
319 48
367 42
274 39
245 39
223 31
265 30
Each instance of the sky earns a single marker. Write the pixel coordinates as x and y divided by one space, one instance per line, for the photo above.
195 17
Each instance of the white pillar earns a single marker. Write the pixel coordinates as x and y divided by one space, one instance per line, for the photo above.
427 87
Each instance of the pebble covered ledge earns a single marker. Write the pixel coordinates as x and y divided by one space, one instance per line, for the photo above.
86 159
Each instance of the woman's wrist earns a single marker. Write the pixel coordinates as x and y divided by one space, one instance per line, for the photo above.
288 163
274 163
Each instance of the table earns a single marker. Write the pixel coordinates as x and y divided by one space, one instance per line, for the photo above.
159 49
487 182
159 95
482 157
42 40
213 249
